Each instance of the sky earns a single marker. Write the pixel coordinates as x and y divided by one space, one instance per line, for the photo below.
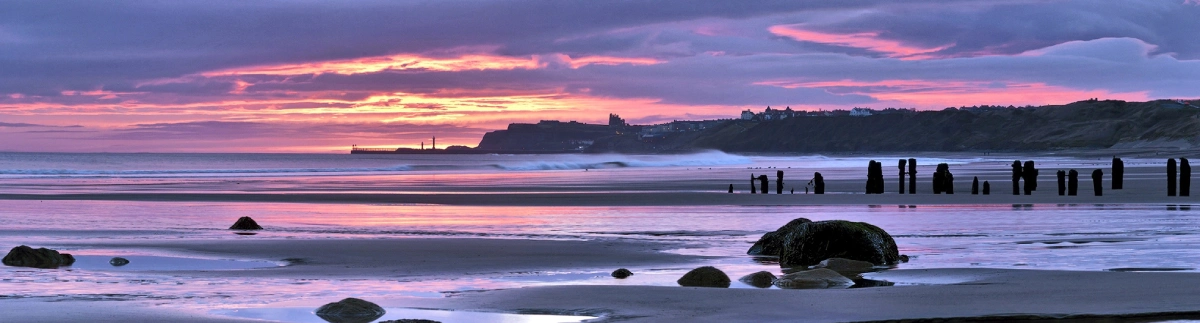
319 76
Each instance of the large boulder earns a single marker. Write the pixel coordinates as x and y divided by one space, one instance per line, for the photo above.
771 243
706 276
25 256
810 243
762 279
816 278
245 223
350 310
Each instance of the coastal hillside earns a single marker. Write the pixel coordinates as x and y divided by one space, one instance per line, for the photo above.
1091 124
1084 124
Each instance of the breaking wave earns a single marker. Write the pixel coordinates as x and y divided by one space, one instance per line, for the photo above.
567 162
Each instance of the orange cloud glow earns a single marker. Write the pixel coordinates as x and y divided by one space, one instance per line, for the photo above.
403 62
864 40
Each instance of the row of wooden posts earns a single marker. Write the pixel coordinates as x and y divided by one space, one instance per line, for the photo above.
943 180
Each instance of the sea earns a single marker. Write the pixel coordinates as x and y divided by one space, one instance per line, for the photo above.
1086 237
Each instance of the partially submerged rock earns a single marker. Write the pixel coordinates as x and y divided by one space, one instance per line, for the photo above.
25 256
762 279
621 273
350 310
245 223
810 243
846 267
706 276
118 261
816 278
771 243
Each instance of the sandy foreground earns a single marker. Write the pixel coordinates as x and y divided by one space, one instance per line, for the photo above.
932 293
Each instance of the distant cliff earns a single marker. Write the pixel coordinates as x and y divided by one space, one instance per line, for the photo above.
1085 124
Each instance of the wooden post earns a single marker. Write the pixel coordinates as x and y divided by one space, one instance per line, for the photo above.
1016 177
778 182
901 166
818 184
1171 177
1029 173
753 190
975 186
1185 178
1118 173
1062 183
912 176
1072 182
730 188
987 188
1097 182
763 179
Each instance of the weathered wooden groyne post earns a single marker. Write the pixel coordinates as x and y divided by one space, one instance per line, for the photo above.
949 184
937 180
753 179
943 180
1185 177
1016 177
1029 173
912 176
818 183
987 188
730 188
1062 183
875 178
1171 177
1118 173
1072 183
765 189
975 186
1097 182
778 182
901 166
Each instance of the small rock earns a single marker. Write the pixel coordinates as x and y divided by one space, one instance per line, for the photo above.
350 310
622 273
411 321
25 256
762 279
245 223
816 278
118 261
846 267
706 276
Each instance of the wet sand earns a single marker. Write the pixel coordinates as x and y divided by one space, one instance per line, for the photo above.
929 293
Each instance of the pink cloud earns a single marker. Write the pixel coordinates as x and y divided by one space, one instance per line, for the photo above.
865 40
416 62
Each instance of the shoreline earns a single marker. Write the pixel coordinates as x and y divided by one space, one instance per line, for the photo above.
618 199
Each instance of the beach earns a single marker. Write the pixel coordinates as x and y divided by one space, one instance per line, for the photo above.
538 242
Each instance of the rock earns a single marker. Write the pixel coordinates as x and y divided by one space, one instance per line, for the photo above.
245 223
118 261
816 278
706 276
813 242
25 256
846 267
622 273
410 321
762 279
771 243
350 310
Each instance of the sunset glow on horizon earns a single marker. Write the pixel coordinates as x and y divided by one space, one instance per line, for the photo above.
319 77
